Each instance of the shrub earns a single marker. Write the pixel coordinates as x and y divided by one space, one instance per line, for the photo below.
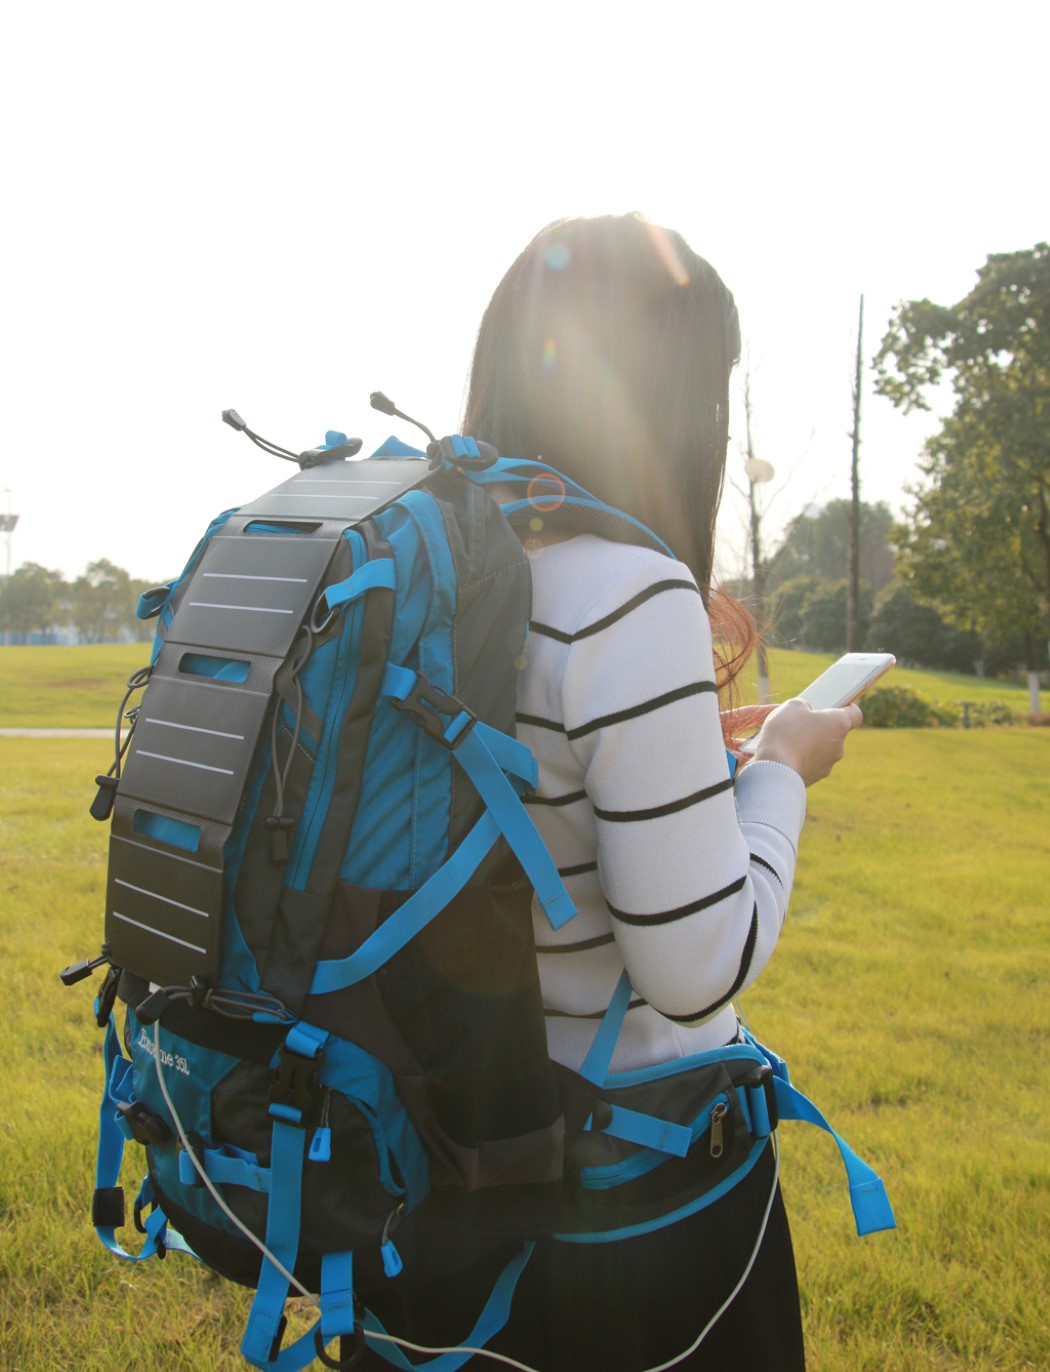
899 707
994 712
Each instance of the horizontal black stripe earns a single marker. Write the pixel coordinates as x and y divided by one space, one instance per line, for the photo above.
671 808
647 707
577 871
595 1014
658 587
584 944
745 964
761 862
669 916
570 799
538 722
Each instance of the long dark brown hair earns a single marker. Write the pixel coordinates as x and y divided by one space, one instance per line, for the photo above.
606 351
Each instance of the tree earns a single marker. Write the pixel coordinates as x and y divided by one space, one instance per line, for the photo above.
818 545
825 617
102 602
977 542
31 600
917 633
811 613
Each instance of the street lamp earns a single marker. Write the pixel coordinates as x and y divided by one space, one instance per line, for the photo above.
7 527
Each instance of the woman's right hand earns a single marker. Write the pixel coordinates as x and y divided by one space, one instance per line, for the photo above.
808 741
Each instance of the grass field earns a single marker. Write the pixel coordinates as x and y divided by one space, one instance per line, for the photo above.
908 995
82 687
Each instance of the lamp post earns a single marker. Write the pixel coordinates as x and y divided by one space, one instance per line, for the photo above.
7 528
8 521
758 472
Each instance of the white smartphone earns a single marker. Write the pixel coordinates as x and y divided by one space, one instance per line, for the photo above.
842 683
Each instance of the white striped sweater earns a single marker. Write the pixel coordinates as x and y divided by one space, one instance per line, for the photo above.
676 875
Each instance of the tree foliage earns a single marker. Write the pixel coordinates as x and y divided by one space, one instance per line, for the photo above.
811 613
818 545
917 633
31 600
977 542
100 604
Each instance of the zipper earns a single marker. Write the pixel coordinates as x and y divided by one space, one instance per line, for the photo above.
608 1175
718 1114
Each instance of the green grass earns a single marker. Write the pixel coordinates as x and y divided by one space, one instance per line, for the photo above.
908 995
61 687
789 672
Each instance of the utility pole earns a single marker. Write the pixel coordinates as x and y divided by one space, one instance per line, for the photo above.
853 611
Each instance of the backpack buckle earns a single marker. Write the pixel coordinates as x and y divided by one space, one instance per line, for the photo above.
438 713
761 1100
145 1127
296 1088
467 453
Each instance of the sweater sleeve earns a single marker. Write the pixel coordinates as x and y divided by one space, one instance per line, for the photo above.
696 872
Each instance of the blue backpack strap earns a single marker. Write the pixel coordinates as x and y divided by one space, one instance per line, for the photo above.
491 1320
301 1050
108 1201
486 755
630 1125
416 913
476 756
599 1056
556 498
871 1207
336 1319
224 1170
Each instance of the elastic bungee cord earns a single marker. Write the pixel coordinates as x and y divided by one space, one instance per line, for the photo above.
281 774
458 1348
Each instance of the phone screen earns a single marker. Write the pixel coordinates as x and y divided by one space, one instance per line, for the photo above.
843 681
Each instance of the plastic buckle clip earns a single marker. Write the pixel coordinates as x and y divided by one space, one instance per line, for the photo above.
431 708
146 1128
761 1079
296 1088
107 996
467 453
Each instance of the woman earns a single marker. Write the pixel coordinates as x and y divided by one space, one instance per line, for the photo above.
606 351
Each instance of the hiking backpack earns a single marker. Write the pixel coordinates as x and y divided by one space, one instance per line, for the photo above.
318 915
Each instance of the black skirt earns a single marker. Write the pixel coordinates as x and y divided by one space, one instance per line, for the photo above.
623 1306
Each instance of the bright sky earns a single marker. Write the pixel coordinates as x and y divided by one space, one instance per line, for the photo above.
281 208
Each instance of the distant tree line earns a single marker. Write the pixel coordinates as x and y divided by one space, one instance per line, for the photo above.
36 603
962 581
807 594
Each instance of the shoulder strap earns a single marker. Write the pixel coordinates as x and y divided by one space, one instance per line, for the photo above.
541 491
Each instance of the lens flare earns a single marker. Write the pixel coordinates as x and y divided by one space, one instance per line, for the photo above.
546 493
549 360
558 256
668 254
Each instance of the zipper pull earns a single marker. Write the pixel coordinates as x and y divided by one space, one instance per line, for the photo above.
718 1114
321 1143
392 1263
